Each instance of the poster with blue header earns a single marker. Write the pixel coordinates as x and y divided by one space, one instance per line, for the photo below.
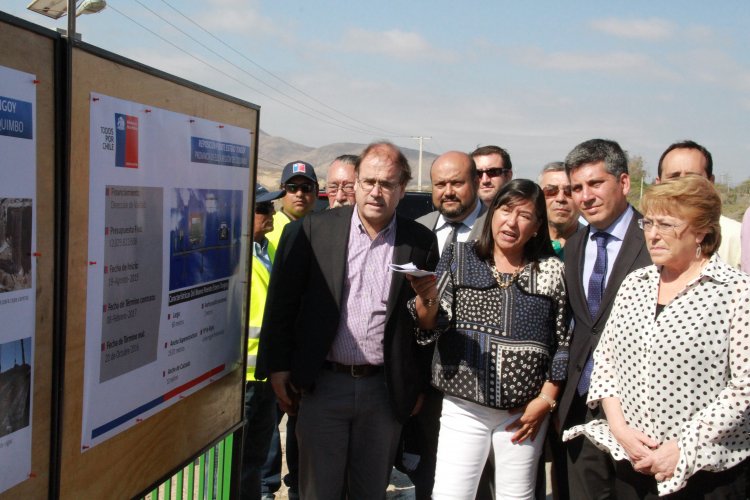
17 272
166 286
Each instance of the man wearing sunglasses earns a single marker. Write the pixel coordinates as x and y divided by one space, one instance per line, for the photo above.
260 401
494 169
562 214
300 183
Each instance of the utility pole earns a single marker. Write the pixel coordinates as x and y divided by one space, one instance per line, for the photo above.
419 169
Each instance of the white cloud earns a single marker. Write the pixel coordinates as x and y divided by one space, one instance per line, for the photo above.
393 43
640 29
714 67
242 17
616 62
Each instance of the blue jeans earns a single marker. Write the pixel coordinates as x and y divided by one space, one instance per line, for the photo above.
260 421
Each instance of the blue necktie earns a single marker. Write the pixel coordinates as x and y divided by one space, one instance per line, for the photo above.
594 300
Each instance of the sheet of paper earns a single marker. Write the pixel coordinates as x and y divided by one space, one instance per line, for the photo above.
410 269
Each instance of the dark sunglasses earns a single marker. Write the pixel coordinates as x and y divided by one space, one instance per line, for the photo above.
551 191
306 188
264 208
493 172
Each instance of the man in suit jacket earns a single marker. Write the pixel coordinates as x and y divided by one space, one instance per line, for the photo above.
597 259
460 214
337 333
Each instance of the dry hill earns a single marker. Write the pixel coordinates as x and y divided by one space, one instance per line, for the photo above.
275 152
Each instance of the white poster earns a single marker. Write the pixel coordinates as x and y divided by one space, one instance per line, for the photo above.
167 260
17 272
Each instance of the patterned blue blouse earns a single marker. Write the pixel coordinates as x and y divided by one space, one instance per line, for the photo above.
497 346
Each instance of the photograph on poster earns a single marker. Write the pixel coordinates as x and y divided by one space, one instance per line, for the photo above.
15 244
205 235
15 385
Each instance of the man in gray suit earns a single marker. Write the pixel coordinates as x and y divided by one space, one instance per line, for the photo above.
459 217
597 259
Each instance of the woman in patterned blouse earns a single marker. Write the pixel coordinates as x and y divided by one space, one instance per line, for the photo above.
671 370
497 314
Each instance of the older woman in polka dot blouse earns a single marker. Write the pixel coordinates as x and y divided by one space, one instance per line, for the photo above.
672 370
497 314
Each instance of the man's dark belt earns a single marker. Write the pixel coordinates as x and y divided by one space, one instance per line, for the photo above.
355 371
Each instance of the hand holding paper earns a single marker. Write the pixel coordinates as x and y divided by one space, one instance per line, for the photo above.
410 269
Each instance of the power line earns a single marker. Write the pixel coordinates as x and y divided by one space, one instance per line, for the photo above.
219 55
352 129
269 161
243 56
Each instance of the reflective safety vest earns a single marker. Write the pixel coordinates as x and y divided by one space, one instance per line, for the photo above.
280 219
258 292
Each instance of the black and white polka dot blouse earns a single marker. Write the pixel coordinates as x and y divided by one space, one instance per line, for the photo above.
507 341
684 375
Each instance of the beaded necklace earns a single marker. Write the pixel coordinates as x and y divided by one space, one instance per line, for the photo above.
504 280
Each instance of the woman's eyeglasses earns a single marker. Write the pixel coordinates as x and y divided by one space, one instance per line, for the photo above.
661 227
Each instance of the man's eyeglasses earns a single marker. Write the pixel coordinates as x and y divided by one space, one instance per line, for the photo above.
264 208
333 189
369 184
292 188
550 191
661 227
493 172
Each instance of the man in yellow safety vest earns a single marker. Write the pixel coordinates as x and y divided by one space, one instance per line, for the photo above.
260 401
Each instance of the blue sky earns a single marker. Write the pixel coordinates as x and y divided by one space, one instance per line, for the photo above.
10 353
534 77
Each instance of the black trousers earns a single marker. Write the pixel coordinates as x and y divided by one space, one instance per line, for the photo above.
731 484
591 472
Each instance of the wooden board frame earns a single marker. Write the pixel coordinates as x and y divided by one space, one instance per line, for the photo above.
32 49
131 461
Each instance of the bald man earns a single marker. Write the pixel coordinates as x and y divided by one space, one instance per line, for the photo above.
455 187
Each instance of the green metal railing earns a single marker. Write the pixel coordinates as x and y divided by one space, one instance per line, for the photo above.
208 477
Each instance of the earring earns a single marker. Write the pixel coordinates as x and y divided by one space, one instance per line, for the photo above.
533 235
698 252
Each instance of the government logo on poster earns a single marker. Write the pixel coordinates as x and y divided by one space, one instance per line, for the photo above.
126 141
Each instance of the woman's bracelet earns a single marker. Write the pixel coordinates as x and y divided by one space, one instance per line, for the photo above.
430 302
550 401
